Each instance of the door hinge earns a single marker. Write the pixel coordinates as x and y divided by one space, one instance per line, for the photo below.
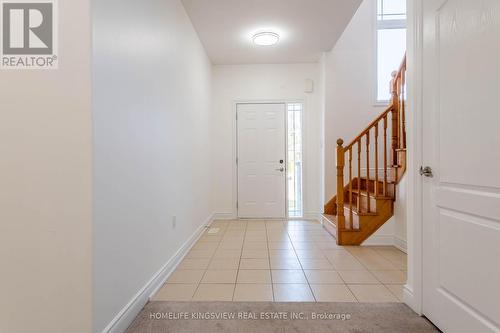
236 160
236 204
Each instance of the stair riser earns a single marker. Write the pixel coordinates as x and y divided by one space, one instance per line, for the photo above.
355 218
368 224
363 202
371 185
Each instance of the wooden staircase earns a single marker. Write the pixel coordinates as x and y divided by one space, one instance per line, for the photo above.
376 162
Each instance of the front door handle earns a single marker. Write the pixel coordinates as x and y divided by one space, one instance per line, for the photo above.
426 171
280 169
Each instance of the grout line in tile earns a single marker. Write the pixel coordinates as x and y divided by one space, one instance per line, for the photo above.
239 261
390 290
352 292
269 261
197 286
303 272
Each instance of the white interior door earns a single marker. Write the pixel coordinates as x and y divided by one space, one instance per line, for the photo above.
261 160
461 142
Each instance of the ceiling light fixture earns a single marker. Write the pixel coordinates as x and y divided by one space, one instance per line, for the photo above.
266 38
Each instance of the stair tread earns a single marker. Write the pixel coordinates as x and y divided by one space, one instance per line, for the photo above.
333 219
365 193
389 181
355 210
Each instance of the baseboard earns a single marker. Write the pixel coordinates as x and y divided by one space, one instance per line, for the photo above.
400 244
125 317
224 216
329 227
386 240
311 216
410 300
379 240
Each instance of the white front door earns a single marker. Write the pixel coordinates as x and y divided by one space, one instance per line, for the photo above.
261 160
461 143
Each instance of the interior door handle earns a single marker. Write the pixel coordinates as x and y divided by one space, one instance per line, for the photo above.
426 171
280 169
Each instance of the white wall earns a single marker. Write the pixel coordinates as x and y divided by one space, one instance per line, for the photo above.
45 182
152 144
350 103
350 75
263 83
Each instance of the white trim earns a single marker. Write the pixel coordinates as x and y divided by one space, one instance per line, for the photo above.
386 240
400 243
379 240
309 216
224 216
410 299
130 311
391 24
413 291
331 228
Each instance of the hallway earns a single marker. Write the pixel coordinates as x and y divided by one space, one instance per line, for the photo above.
284 261
222 157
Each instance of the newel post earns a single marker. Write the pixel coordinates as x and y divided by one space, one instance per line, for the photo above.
395 117
340 189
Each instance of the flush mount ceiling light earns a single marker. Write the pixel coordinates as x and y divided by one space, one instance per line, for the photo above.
266 38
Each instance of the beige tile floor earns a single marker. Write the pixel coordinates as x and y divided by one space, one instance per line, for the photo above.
284 261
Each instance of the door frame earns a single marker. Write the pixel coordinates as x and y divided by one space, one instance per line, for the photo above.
413 291
235 149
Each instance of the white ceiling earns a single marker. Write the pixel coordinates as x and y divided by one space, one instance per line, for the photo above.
307 28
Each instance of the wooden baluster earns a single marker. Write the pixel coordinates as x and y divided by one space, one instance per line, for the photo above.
358 203
350 188
376 161
385 156
340 190
400 117
394 120
368 171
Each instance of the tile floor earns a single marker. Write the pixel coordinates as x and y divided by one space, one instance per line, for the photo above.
284 261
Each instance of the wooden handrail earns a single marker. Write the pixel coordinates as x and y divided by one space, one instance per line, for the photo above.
393 115
369 127
396 74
